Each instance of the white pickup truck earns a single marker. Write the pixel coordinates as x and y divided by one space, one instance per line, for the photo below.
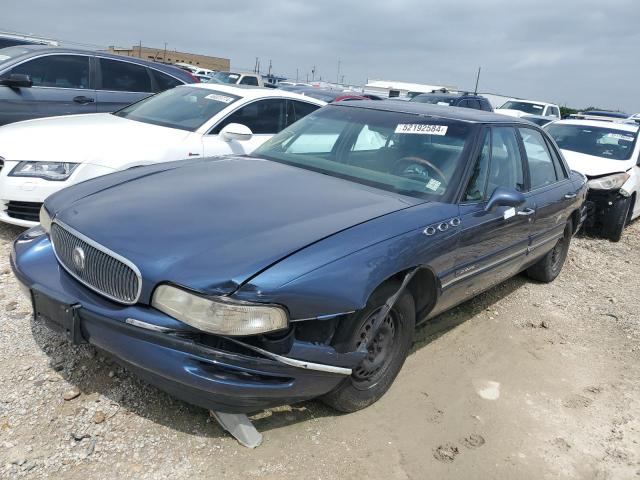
238 78
519 108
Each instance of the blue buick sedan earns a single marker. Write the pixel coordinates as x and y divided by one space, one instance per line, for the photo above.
301 271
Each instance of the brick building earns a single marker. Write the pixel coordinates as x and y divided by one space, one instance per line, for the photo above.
173 56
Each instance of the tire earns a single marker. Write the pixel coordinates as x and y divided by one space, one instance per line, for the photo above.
373 377
548 267
619 217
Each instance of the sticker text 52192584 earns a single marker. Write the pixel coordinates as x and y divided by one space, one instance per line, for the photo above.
421 129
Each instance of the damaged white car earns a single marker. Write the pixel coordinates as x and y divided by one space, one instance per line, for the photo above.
608 154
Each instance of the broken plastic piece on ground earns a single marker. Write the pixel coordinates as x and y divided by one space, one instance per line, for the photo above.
240 427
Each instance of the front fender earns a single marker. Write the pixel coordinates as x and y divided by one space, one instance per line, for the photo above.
345 283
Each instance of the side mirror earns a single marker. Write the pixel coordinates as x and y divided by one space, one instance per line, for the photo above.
17 80
504 197
236 131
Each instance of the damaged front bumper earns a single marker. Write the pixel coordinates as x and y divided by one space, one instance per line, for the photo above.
223 374
601 206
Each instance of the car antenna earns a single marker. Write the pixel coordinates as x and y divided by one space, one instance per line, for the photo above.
475 92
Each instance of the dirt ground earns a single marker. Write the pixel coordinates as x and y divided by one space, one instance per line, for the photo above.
527 381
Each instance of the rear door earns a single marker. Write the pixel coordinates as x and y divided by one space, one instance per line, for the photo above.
120 83
62 85
550 184
492 245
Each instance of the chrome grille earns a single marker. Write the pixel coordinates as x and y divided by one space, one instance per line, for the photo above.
95 266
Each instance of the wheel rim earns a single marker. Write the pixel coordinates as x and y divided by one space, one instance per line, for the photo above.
381 352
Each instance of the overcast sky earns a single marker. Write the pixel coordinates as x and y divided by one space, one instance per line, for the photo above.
573 52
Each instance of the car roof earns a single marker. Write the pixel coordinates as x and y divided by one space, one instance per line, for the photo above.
441 111
251 91
449 94
521 100
173 70
627 127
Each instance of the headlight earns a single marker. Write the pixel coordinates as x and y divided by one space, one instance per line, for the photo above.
45 219
610 182
56 171
219 315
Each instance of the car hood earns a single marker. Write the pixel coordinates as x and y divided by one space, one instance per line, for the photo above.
593 166
99 138
210 225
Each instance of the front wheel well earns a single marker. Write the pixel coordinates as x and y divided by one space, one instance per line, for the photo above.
423 288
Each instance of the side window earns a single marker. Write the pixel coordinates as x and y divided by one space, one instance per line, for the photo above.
557 162
164 81
477 188
262 117
58 71
541 168
486 106
249 81
124 76
463 103
302 109
556 112
506 162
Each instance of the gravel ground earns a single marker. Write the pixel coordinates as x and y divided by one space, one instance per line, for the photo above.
525 381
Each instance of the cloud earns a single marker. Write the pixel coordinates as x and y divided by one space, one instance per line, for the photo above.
578 52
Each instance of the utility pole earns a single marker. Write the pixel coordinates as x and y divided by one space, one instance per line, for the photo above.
313 73
296 75
164 58
255 66
269 67
477 81
140 49
338 74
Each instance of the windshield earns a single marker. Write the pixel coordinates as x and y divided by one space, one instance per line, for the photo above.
532 108
435 99
610 143
225 77
185 108
9 53
399 152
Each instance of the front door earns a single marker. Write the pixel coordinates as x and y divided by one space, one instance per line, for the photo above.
492 245
61 86
264 117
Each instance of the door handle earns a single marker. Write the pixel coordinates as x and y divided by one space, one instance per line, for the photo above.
83 100
569 196
526 212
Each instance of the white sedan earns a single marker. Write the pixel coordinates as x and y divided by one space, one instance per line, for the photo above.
40 157
608 154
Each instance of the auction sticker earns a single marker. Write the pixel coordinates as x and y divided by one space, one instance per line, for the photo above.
433 184
219 98
421 129
619 136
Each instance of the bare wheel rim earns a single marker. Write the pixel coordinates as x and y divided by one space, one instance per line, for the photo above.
382 351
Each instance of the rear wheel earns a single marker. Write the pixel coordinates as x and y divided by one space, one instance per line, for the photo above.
386 355
549 267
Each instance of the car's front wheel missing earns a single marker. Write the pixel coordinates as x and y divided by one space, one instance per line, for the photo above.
386 353
549 267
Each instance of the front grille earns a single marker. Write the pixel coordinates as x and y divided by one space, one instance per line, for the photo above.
95 266
24 210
